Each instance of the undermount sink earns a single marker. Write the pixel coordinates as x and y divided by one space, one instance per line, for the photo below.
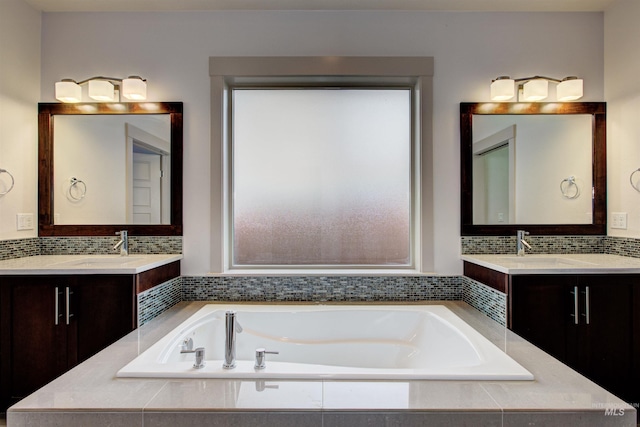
544 260
102 261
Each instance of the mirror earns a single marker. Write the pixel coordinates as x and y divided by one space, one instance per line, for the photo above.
105 167
533 166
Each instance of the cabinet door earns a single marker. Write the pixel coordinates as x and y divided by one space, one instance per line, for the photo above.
542 308
103 310
607 339
38 330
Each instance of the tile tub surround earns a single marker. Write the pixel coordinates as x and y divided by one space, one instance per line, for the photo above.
91 395
157 300
358 288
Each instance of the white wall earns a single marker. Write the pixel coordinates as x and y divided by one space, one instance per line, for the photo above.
622 93
171 50
19 95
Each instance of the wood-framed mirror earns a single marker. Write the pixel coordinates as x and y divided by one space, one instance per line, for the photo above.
106 167
540 167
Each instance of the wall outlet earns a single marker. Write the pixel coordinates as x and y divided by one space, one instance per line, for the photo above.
500 217
24 221
619 220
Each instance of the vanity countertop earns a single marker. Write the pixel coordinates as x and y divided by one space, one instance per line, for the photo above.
85 264
557 263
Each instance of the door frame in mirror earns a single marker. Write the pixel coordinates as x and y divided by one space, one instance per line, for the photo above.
599 165
46 115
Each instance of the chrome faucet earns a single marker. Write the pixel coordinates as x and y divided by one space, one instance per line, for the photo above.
521 243
231 326
123 244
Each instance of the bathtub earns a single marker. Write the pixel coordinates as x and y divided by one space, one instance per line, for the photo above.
331 342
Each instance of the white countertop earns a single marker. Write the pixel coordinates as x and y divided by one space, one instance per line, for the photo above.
557 263
85 264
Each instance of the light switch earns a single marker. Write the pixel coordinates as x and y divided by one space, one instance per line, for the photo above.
24 221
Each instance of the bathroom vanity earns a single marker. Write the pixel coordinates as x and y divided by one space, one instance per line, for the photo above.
582 309
59 310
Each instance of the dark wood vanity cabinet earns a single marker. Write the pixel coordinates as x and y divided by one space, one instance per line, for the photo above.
50 323
586 321
591 322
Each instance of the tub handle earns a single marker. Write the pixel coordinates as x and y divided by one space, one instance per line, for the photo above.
199 363
261 358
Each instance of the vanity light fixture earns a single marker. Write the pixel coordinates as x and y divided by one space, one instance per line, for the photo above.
535 88
133 88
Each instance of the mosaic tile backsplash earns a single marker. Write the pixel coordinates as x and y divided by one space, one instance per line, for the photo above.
321 288
158 299
539 244
103 245
485 299
19 248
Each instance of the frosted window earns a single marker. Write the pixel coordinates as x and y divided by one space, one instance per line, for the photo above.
321 177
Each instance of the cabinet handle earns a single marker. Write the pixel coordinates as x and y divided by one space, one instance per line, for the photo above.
57 306
587 304
68 292
576 319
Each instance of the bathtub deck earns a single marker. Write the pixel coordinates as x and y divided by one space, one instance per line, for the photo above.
90 394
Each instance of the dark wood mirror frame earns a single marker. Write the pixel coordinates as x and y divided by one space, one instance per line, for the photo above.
46 121
599 164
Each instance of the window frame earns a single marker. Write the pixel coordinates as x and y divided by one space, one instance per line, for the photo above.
414 73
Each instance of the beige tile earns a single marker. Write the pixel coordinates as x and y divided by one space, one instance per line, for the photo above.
74 419
416 395
419 419
564 419
224 419
195 394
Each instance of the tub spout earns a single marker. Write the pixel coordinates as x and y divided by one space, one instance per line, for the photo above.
231 327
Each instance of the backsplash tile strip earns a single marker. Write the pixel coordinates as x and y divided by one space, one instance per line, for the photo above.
19 248
321 288
539 244
624 246
103 245
158 299
485 299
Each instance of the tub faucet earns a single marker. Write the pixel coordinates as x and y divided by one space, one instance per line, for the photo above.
521 243
123 244
231 326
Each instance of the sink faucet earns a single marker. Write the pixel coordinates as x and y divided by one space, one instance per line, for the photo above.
123 244
521 243
231 326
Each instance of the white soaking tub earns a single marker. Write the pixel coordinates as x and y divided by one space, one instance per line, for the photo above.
331 342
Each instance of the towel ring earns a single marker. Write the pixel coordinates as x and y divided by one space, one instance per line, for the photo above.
564 189
635 187
82 190
12 181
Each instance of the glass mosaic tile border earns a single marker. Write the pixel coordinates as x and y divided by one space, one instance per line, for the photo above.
322 288
489 301
624 246
158 299
103 245
539 244
19 248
